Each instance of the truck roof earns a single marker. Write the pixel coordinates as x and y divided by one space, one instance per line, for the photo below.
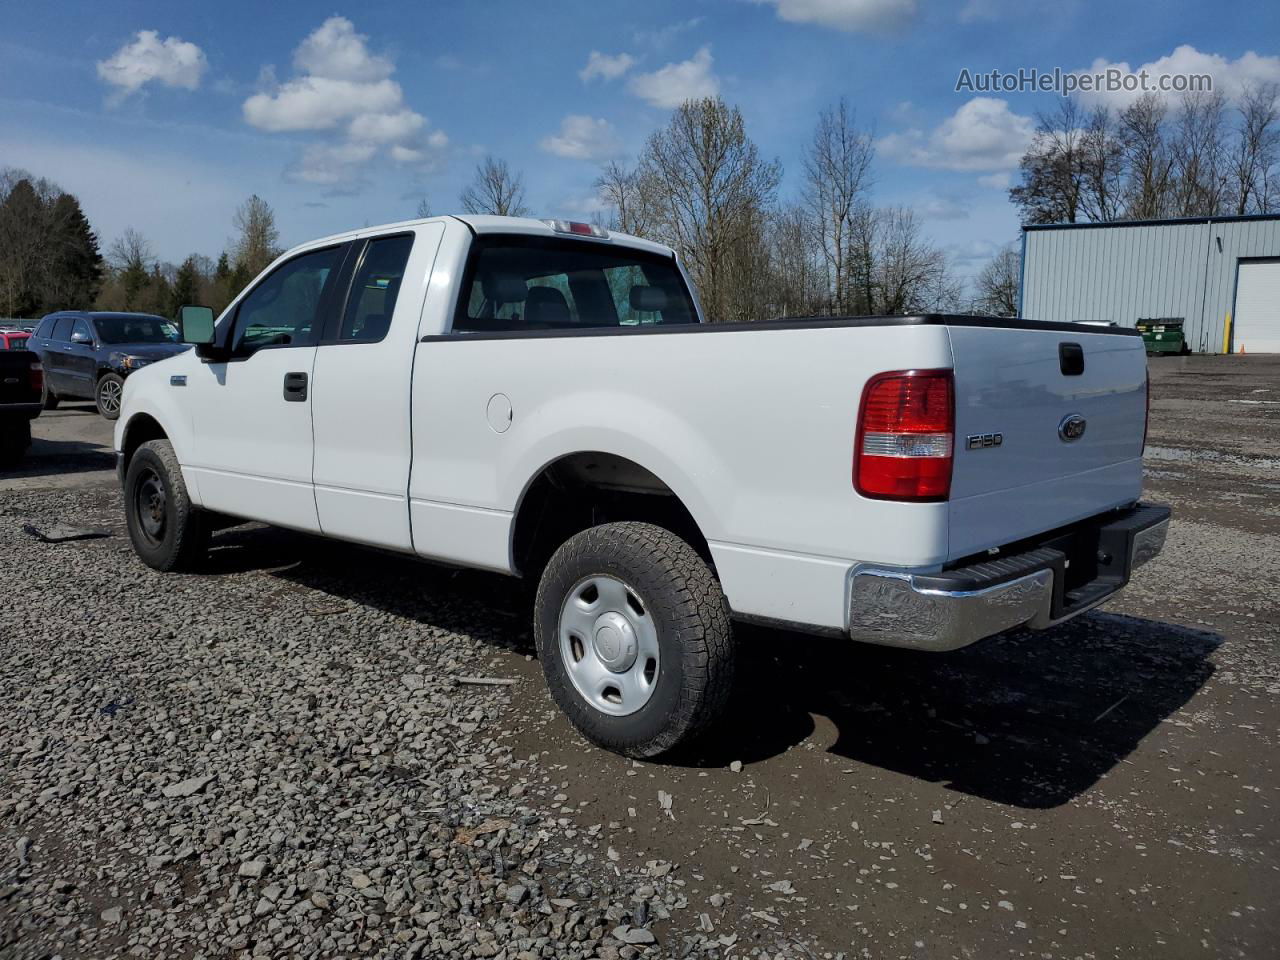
489 224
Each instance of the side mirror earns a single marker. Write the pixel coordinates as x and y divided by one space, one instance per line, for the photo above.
80 337
196 324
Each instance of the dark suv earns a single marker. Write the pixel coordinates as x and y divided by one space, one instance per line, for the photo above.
87 355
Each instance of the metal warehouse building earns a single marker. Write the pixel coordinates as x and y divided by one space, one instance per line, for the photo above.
1221 275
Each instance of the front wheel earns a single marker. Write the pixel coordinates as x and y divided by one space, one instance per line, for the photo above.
109 394
634 636
168 532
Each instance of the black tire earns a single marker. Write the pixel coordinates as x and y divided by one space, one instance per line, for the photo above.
50 399
167 531
694 668
15 438
108 394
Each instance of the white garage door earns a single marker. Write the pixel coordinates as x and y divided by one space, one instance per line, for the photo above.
1257 320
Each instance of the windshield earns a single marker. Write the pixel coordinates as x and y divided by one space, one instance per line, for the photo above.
140 329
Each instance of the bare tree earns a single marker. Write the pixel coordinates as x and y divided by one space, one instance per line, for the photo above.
131 258
837 175
629 197
1101 154
1257 150
1199 182
798 277
1051 170
495 190
861 268
711 188
911 273
996 286
1148 164
424 208
258 242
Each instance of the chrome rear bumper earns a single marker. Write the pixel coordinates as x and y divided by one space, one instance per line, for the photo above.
954 608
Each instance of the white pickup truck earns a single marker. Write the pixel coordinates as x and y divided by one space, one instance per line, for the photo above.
541 399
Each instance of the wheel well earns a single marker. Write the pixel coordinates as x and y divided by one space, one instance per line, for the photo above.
585 489
141 428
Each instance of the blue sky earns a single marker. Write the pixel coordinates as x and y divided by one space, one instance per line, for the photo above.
165 116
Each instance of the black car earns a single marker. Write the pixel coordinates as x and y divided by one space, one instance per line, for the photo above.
86 356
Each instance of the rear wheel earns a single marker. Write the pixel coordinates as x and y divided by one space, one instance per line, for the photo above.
167 531
109 394
634 636
51 399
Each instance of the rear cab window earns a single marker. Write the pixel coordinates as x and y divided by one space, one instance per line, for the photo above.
375 289
517 283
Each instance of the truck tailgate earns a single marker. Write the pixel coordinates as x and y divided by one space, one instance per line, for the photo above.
1022 395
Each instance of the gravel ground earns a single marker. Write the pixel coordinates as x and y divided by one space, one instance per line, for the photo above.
283 757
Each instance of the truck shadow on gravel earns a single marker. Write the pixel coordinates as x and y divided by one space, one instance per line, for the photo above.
1026 719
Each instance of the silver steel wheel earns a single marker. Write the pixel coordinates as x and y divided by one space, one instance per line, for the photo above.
109 392
609 645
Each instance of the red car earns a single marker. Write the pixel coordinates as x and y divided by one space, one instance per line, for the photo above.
14 339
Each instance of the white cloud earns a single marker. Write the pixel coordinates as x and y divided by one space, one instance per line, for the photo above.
331 163
851 16
1231 77
344 88
171 62
582 138
320 103
606 67
386 127
984 134
336 51
996 181
675 83
662 36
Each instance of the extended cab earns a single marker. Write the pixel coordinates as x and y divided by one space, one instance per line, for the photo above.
541 399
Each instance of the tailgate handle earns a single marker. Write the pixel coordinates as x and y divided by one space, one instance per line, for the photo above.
1071 359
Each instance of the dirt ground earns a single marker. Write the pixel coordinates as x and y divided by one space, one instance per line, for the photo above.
1108 788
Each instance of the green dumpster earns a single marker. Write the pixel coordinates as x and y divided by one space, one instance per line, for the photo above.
1163 335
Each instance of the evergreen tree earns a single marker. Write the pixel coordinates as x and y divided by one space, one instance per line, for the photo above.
159 293
21 237
186 286
75 269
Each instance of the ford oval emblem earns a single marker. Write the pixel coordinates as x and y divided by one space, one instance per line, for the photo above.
1072 428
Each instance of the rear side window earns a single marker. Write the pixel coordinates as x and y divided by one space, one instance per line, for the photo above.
375 289
62 330
535 283
45 330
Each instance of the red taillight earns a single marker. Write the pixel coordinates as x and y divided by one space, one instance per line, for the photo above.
906 429
36 377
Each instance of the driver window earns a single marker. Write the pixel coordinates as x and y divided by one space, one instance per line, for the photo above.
282 311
